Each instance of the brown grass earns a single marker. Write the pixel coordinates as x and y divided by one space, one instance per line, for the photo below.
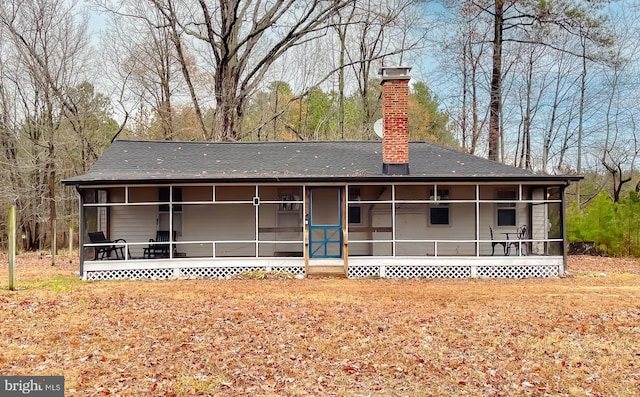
577 336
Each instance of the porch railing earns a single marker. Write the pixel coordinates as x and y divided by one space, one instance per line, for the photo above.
434 247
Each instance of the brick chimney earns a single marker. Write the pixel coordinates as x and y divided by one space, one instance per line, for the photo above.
395 115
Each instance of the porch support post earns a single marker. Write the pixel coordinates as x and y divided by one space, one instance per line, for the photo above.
563 271
519 246
170 221
393 219
345 232
477 190
435 195
256 205
81 230
307 204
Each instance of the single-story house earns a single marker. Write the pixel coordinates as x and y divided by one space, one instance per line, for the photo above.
165 209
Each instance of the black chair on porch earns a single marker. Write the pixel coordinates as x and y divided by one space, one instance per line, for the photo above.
504 244
104 251
155 250
517 244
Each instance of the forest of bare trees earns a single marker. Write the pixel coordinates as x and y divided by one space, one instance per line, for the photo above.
550 86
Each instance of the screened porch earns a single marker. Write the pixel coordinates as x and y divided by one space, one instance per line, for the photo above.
296 226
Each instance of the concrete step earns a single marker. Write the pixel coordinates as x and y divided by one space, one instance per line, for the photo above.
326 271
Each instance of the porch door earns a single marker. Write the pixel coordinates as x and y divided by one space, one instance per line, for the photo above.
325 222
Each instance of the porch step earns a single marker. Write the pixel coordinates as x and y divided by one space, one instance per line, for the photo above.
317 271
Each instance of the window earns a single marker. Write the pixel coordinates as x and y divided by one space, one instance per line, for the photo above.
439 212
439 215
354 210
506 212
355 214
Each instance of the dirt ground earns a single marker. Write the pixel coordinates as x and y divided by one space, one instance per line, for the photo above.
576 336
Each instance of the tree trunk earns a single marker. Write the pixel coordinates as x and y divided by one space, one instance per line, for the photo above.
496 82
525 154
227 105
229 102
342 37
465 84
546 149
170 15
583 78
52 208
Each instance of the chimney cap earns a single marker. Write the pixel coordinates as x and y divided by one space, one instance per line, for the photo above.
394 73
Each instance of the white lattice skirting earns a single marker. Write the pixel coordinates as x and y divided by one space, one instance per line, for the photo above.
362 270
184 272
455 271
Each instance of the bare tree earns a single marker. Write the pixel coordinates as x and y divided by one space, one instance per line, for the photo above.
344 19
621 146
510 19
242 39
47 40
381 32
471 70
559 116
145 58
465 52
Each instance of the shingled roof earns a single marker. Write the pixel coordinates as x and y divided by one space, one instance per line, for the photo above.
135 162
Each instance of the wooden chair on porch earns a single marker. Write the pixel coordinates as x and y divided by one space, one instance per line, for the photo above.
504 244
155 250
104 251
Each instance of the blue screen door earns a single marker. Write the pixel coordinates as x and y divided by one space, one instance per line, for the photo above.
325 223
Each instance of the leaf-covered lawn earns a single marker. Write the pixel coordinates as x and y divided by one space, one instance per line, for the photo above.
578 336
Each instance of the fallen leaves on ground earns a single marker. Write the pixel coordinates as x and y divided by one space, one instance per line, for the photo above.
576 336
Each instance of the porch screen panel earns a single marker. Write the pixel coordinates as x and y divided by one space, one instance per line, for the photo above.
325 210
539 222
280 230
555 221
91 217
413 192
234 222
136 224
363 202
381 229
235 193
411 224
144 194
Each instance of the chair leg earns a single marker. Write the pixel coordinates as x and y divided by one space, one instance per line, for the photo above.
100 253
